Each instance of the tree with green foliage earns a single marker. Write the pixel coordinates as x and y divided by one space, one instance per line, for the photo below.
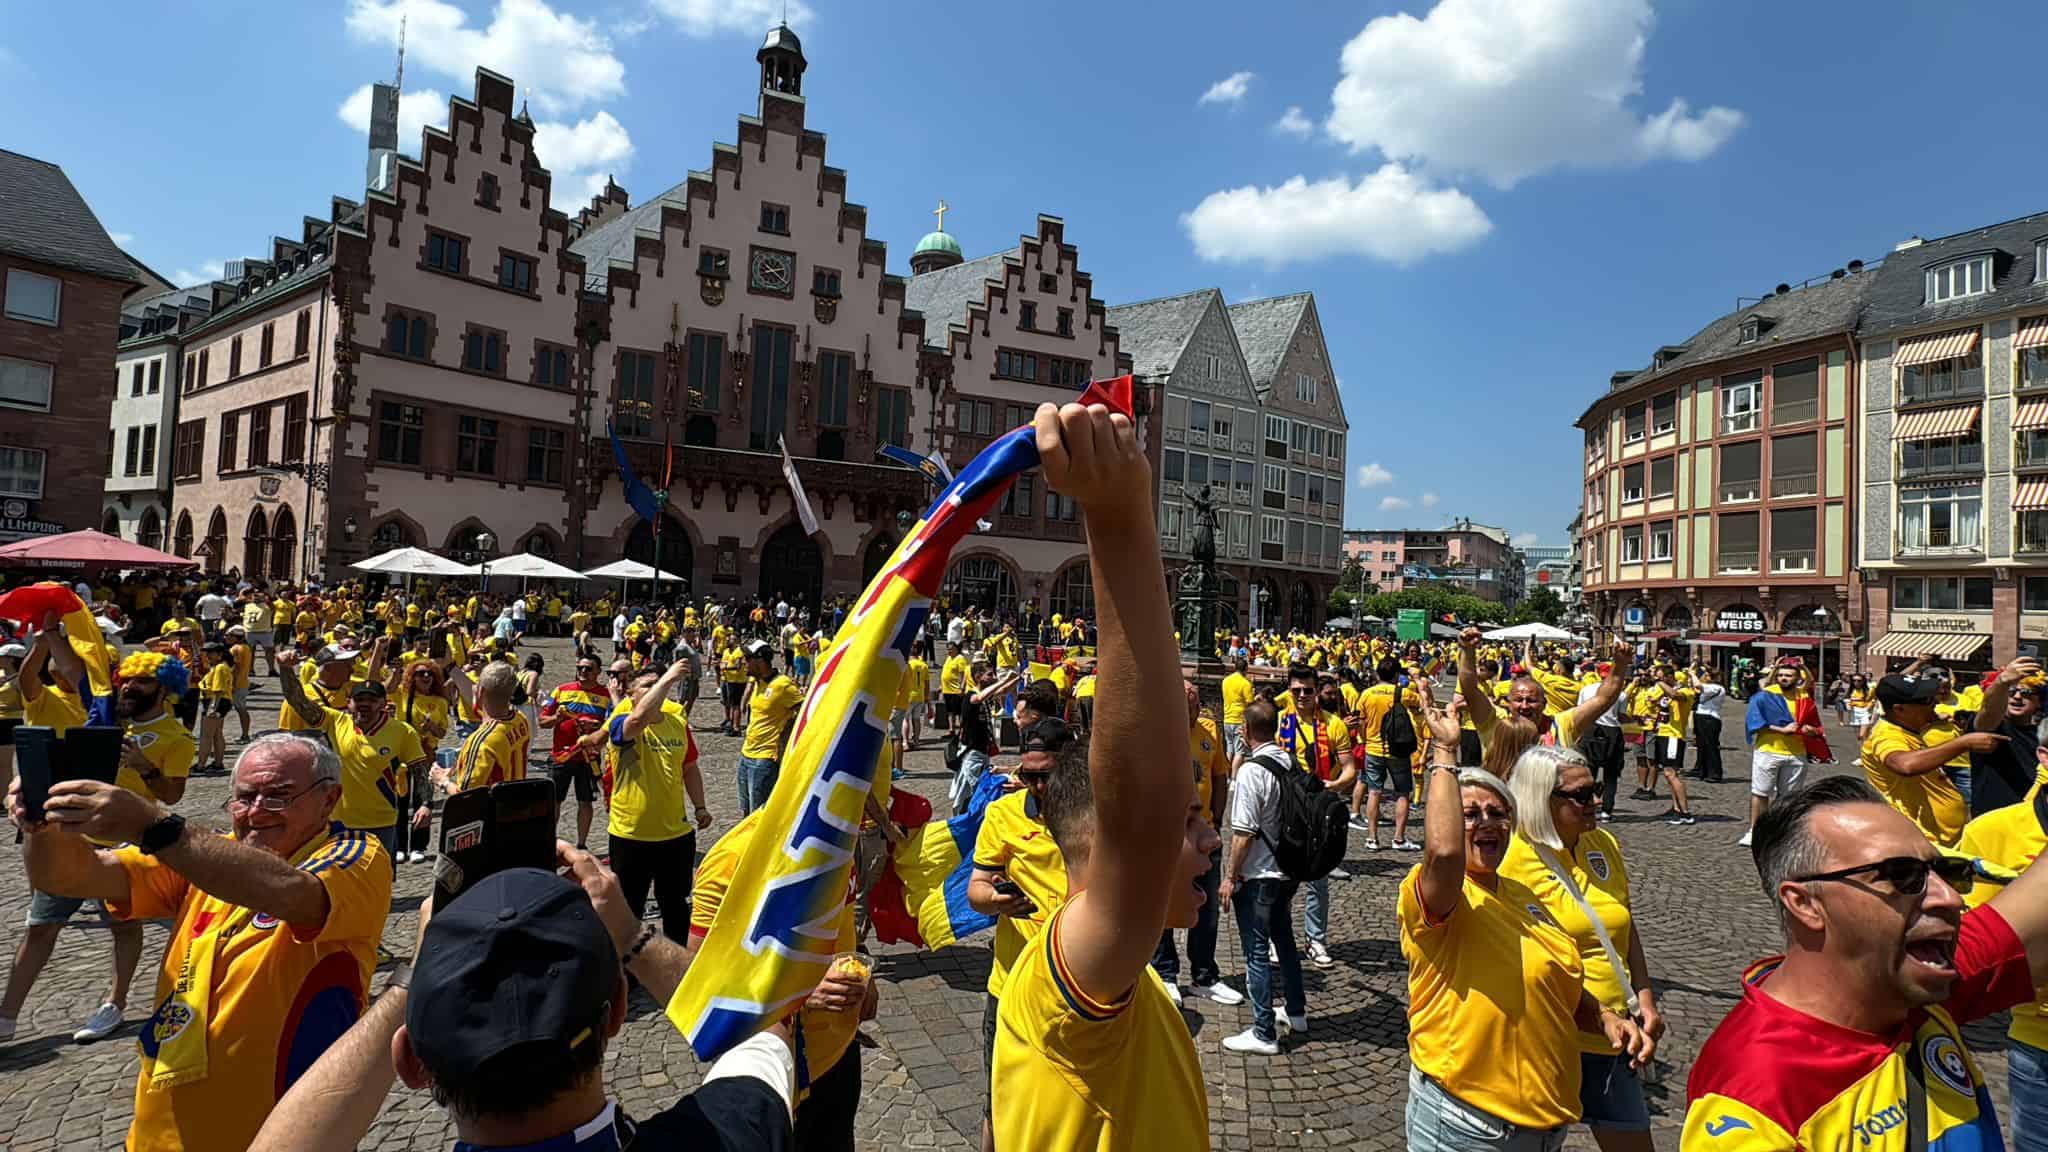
1543 606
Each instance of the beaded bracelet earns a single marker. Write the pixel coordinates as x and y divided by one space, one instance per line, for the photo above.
646 938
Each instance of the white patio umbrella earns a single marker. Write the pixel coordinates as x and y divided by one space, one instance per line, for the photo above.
413 562
628 570
527 567
1533 631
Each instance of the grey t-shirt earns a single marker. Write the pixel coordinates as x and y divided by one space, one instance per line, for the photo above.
1255 808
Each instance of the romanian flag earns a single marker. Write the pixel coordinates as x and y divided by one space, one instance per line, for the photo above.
921 898
774 934
31 603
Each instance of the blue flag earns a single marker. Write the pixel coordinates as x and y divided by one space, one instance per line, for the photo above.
638 494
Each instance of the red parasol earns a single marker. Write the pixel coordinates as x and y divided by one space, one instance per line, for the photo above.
86 549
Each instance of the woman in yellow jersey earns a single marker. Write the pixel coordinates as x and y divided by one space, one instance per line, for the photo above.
1496 990
422 698
1862 705
216 700
1575 867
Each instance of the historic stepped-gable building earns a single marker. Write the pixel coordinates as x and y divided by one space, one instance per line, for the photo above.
1004 334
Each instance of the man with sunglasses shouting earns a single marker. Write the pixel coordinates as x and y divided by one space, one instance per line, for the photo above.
1853 1038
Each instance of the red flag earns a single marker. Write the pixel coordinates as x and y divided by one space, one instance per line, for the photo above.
668 470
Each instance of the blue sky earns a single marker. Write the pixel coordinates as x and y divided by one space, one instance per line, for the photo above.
1484 254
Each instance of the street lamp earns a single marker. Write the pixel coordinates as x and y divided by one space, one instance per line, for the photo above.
348 529
485 542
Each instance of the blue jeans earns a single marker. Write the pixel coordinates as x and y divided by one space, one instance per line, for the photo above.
1265 913
2026 1071
1440 1122
1317 914
1201 937
756 781
1961 777
972 765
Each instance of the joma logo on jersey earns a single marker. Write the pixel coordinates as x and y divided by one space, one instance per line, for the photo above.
1879 1123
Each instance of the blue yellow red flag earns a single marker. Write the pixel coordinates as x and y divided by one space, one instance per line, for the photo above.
776 931
921 898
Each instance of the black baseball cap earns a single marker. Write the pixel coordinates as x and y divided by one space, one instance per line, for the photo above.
1896 689
518 962
1049 735
368 688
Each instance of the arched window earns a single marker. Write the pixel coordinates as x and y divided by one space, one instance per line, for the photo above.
111 523
982 582
878 552
1073 592
152 533
537 544
216 545
255 540
284 545
1678 616
390 534
394 334
181 542
417 346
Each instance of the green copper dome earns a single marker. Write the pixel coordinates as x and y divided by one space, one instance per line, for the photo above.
938 242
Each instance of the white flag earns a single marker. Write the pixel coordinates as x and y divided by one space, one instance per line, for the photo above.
796 492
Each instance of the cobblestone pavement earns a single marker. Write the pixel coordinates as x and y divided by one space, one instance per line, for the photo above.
1341 1086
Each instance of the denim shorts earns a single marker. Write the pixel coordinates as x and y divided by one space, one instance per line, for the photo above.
1386 774
1611 1094
43 908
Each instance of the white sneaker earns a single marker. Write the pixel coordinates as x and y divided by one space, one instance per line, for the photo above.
7 1027
1222 993
1248 1041
1319 955
100 1024
1407 846
1339 874
1744 842
1173 994
416 857
1372 844
1297 1024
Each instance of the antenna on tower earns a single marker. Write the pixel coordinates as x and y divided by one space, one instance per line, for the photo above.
399 83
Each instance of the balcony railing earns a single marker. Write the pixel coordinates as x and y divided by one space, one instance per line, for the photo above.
2031 542
1792 560
1795 411
1735 422
1739 491
1940 395
2029 455
1928 551
1794 484
1928 467
1736 563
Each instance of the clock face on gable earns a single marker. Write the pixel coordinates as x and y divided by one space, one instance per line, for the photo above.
772 271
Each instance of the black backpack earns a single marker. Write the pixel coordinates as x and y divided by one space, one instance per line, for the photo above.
1313 830
1397 730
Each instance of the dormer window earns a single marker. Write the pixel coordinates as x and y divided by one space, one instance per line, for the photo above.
1751 329
2040 261
1953 281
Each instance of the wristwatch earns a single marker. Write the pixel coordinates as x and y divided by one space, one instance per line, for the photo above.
161 835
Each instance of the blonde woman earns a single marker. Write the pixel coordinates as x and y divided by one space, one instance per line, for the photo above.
1496 990
1575 868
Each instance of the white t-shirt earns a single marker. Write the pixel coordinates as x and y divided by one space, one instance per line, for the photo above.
518 610
956 630
1255 807
619 628
213 606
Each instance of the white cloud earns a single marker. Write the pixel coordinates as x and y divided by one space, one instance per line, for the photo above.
1509 88
123 239
1373 475
710 17
1393 504
416 109
1228 90
205 274
563 61
1429 499
582 155
1293 123
1392 215
1525 540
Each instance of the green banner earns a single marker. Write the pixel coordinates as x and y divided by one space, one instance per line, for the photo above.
1411 624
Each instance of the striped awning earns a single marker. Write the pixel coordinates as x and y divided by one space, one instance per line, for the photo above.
1945 645
2032 414
2033 333
1928 349
2031 497
1937 423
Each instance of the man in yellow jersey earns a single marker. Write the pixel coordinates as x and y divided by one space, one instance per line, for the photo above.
772 701
1777 762
379 754
1209 764
1237 692
1018 875
156 759
332 676
1952 716
1090 1051
1388 771
496 751
274 937
654 763
1906 770
955 682
49 679
242 658
917 675
732 683
1527 699
1667 715
257 632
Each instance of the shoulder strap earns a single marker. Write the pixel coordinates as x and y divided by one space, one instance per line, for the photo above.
1916 1095
1564 877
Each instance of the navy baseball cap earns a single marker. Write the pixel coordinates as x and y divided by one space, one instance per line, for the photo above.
1897 689
1049 734
520 962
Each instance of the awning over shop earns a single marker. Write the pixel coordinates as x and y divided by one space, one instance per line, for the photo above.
1937 423
2033 333
1944 645
1724 639
2031 415
1662 634
1944 346
2031 497
1794 641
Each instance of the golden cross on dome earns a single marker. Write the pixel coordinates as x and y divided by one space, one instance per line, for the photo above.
940 212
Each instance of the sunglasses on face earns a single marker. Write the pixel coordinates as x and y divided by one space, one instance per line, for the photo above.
1583 797
1907 875
1478 817
1034 777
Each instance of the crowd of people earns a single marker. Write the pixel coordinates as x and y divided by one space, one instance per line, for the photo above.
1905 893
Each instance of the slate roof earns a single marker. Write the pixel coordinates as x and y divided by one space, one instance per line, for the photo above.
1264 328
42 217
613 239
1156 332
1817 309
944 295
1898 300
